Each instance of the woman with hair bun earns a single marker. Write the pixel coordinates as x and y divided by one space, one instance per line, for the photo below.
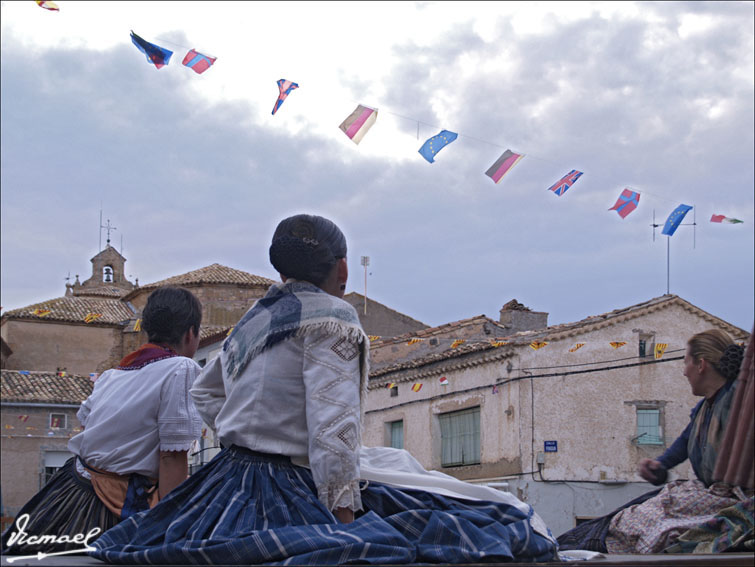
659 519
293 483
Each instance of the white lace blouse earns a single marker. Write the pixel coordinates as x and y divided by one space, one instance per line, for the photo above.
300 398
132 415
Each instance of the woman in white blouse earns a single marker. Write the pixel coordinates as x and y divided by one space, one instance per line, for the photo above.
139 422
284 397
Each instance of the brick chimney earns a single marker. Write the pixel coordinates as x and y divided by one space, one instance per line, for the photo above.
516 317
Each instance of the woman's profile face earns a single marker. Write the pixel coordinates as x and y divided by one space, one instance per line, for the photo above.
693 374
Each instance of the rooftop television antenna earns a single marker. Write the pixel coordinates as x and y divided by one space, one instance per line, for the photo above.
365 263
693 224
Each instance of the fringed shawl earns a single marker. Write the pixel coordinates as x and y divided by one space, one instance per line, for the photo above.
292 309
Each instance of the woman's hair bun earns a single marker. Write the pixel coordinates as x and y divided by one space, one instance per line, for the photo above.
306 247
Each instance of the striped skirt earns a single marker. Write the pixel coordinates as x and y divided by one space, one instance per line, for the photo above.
249 509
67 505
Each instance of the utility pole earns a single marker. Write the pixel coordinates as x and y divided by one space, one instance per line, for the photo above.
365 263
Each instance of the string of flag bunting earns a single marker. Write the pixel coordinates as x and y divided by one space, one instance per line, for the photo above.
534 345
659 350
358 123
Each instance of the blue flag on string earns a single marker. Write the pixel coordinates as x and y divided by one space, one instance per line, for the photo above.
674 219
158 56
433 145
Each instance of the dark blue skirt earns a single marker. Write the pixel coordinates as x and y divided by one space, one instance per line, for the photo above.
247 509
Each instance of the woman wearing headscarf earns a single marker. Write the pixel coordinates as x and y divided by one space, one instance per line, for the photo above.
285 399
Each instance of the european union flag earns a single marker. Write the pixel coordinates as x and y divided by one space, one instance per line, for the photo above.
674 219
159 56
433 145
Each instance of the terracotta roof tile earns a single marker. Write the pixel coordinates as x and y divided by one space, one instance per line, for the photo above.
44 387
215 273
75 309
104 291
554 332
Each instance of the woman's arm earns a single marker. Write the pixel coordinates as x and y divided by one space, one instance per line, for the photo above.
208 391
332 386
174 468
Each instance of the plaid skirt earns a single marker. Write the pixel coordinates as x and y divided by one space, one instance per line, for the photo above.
67 505
245 508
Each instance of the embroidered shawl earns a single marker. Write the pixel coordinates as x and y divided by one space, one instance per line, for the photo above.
290 309
708 427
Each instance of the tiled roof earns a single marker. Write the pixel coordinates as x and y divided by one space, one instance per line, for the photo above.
75 309
44 387
555 332
447 329
104 291
213 274
209 334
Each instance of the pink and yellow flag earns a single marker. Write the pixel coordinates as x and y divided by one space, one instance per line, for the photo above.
502 165
358 123
52 6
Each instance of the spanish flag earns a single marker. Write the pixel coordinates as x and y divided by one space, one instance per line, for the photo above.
538 344
390 385
41 312
617 344
576 347
417 387
457 342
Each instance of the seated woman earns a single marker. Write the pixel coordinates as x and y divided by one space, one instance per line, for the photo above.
285 399
651 522
139 423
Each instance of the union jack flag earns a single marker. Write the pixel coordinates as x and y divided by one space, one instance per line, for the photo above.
560 187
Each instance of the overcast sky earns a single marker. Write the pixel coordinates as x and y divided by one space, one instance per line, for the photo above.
193 169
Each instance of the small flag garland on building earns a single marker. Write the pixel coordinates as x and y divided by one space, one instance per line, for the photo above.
91 317
373 337
23 417
536 345
415 340
443 381
390 385
660 348
138 325
617 344
41 312
496 343
576 347
457 342
416 387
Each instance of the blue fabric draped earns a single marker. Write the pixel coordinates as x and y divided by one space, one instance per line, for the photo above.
246 509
